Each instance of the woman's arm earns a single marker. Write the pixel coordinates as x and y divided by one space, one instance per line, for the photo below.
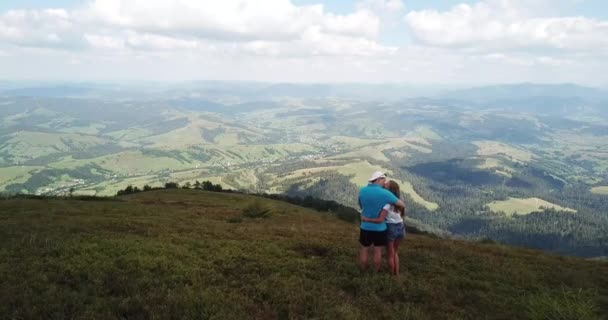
380 218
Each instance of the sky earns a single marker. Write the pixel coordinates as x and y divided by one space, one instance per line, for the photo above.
416 42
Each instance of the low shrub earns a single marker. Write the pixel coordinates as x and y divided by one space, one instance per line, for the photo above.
487 241
234 220
312 249
256 210
348 214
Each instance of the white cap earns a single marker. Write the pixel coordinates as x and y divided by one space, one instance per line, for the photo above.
377 175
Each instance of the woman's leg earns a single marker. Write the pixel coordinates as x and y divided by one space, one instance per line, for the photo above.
390 256
396 255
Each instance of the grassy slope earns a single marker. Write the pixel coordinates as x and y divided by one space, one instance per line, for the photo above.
16 174
600 190
173 254
524 206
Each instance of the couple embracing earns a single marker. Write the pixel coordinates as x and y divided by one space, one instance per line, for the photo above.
381 222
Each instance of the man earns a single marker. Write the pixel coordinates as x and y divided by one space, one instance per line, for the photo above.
372 199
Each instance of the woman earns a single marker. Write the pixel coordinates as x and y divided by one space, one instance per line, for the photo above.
396 228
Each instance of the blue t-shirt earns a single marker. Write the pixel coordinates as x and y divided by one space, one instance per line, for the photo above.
372 199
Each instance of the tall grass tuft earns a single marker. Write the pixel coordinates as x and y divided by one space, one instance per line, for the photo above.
566 305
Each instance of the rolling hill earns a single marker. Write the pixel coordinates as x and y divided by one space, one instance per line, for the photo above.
175 254
454 154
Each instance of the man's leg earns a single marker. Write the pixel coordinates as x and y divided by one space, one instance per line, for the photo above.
380 240
363 258
378 258
363 251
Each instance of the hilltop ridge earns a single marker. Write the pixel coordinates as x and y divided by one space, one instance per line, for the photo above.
194 254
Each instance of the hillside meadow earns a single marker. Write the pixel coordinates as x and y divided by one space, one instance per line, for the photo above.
525 206
189 254
600 190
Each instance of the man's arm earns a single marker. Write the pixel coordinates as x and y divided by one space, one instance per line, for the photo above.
380 218
400 204
392 199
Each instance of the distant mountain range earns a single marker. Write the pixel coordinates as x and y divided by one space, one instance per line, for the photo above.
213 90
527 91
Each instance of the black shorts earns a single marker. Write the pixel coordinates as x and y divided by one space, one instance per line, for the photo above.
376 238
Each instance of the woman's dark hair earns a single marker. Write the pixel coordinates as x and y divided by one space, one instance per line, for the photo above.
393 187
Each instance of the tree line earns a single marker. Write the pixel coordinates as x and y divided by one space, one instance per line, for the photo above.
197 185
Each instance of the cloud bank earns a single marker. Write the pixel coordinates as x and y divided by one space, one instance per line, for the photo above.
277 40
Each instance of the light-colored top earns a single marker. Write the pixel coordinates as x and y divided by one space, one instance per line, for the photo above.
371 199
393 216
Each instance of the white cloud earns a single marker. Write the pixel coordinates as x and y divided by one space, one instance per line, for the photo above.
389 11
505 25
275 40
228 19
104 42
158 42
274 27
381 6
555 62
35 27
361 23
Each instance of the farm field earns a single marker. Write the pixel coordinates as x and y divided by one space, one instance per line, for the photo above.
524 206
600 190
493 148
17 174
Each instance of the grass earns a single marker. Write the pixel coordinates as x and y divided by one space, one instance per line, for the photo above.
600 190
178 139
571 304
92 129
245 179
126 163
345 142
130 134
494 164
228 139
25 145
16 174
426 133
190 254
493 148
408 188
376 151
360 171
524 206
